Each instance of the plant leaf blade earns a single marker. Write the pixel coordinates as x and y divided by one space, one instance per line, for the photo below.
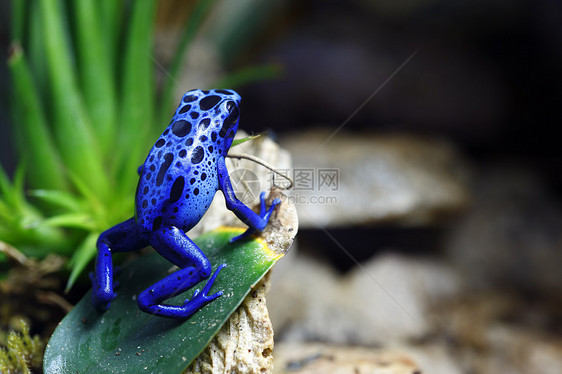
126 340
236 142
35 138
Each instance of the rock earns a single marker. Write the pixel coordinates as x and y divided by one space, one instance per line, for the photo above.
516 350
385 301
311 288
497 332
345 180
245 343
390 297
315 358
511 236
433 357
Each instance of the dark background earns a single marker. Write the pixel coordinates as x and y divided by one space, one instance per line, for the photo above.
486 75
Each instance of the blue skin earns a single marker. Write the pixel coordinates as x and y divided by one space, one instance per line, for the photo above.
177 184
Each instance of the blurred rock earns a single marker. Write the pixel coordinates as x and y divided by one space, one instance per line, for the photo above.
433 358
519 351
385 301
345 180
393 297
495 332
244 344
310 288
315 358
512 235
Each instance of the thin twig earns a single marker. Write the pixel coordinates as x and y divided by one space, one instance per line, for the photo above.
262 163
53 298
13 253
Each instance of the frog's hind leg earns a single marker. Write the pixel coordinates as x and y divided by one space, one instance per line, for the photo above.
120 238
174 245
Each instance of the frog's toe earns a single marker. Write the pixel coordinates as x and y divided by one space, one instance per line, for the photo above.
242 236
192 297
99 305
203 295
202 298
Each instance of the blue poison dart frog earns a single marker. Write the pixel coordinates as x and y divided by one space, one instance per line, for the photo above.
178 181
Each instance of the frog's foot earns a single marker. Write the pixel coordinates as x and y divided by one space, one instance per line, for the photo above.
242 236
264 215
101 298
149 300
202 298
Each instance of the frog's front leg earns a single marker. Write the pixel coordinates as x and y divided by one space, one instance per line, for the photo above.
120 238
256 222
174 245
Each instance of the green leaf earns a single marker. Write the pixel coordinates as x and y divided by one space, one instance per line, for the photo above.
18 20
110 12
126 340
34 138
36 53
88 193
19 220
11 192
71 220
18 185
94 68
7 192
58 198
84 253
71 125
137 96
236 142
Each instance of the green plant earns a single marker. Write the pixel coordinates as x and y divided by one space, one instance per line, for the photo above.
22 352
86 108
87 341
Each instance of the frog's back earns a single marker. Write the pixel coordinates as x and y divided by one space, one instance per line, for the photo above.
179 177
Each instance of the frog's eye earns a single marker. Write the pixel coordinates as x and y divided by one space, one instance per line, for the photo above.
230 105
230 121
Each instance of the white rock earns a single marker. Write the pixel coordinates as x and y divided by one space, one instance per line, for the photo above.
433 358
378 178
315 358
512 234
385 301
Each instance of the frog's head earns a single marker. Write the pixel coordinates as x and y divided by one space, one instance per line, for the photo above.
227 123
216 112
